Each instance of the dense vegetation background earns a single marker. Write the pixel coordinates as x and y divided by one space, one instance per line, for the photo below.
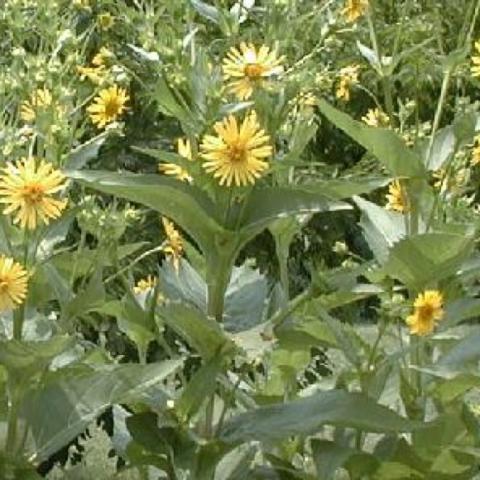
312 316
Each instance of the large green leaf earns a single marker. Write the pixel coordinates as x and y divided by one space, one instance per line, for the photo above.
60 410
265 205
346 187
386 145
427 258
185 204
307 415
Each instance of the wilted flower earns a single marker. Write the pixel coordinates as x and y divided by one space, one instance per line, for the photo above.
39 101
145 284
376 118
475 69
173 244
397 198
354 9
348 78
105 21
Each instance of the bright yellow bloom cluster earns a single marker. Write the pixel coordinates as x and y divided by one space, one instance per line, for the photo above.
108 106
475 69
173 244
397 198
172 169
145 284
98 72
246 67
39 101
354 9
237 154
13 284
28 189
348 78
376 118
428 310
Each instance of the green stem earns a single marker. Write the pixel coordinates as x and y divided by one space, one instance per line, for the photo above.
219 269
12 418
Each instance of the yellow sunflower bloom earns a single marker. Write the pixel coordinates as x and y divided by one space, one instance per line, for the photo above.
96 75
172 169
354 9
39 101
13 284
28 189
245 67
348 78
397 198
428 310
475 68
376 118
173 244
108 106
238 153
105 21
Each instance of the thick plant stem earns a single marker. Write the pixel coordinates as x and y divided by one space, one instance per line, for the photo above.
219 270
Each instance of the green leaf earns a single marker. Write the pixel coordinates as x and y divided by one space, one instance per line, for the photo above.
82 154
346 187
186 205
207 11
307 415
31 356
60 410
265 205
386 145
424 259
382 229
201 333
330 456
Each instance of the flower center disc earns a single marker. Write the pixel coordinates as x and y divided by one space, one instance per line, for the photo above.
426 312
3 285
112 107
236 153
33 193
253 70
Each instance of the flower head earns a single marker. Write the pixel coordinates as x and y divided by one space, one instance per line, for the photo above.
476 151
108 106
428 310
105 21
13 284
376 118
28 190
246 66
95 74
354 9
39 101
397 198
173 244
174 170
100 59
475 68
237 154
348 78
145 284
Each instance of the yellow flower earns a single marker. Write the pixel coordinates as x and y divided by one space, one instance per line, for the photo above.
475 69
173 244
376 118
144 285
428 310
108 106
172 169
348 78
95 74
237 154
246 66
397 198
13 284
101 57
40 100
476 150
354 9
105 21
28 189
